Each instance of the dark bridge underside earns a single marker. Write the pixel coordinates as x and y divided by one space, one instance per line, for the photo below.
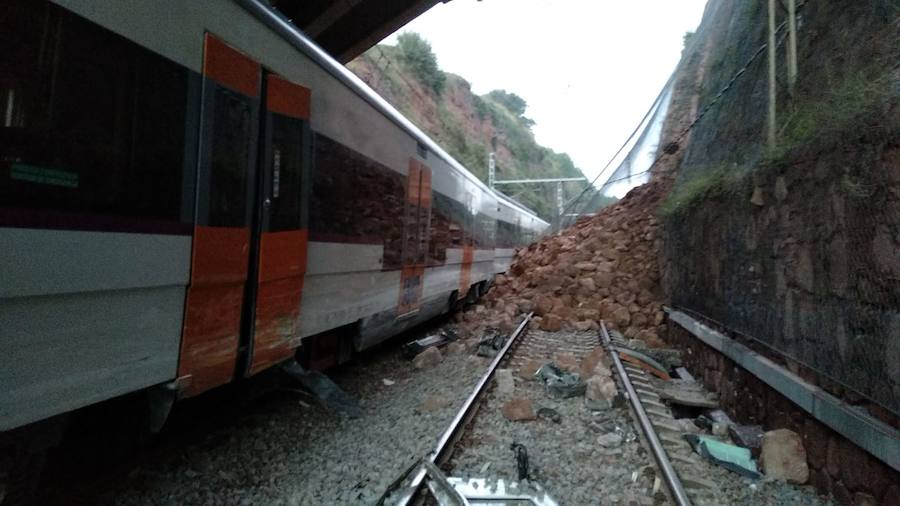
346 28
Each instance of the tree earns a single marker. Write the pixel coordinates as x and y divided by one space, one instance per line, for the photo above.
511 101
514 104
418 56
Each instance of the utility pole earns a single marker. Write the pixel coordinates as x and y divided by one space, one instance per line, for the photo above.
492 169
773 92
560 205
792 46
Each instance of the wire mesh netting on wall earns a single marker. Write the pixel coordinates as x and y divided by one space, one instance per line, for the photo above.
797 244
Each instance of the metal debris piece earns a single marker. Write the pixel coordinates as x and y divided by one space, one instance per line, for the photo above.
560 384
479 491
444 492
684 374
748 436
326 391
449 491
413 348
491 343
643 361
687 393
521 460
731 457
670 358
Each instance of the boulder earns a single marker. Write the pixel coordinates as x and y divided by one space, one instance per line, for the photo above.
543 305
428 358
566 362
611 440
518 409
601 388
597 356
783 456
505 382
603 279
588 284
434 403
584 326
621 317
551 323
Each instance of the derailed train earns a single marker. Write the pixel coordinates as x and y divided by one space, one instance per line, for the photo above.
192 191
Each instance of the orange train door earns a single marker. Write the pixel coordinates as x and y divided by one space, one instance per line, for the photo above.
416 220
279 245
221 242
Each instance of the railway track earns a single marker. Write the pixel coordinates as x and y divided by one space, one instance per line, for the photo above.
652 415
425 480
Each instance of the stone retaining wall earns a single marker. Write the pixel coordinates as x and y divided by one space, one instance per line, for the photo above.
837 466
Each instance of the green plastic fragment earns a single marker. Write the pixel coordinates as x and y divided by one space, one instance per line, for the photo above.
731 457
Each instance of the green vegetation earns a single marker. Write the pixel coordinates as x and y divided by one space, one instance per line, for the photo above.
713 183
417 55
469 126
855 111
688 37
513 103
854 108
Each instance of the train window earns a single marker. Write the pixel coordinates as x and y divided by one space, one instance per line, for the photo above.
287 156
441 227
505 235
356 200
232 137
91 123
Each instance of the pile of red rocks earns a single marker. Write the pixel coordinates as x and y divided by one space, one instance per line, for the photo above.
602 267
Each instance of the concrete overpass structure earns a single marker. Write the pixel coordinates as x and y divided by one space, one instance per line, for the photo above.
347 28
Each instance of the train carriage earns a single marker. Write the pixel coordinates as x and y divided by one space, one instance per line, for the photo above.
191 191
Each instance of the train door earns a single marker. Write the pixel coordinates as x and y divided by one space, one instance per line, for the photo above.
280 235
221 240
416 223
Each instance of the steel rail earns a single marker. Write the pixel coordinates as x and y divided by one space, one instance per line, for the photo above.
440 452
669 474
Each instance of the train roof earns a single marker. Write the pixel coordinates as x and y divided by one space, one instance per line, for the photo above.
278 23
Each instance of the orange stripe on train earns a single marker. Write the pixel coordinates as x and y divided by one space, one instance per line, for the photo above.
287 98
229 67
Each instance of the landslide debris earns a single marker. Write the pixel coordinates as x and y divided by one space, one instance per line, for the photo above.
601 268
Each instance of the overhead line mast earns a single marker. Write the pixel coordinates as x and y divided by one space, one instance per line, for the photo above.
560 201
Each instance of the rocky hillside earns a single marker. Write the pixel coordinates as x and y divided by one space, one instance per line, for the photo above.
467 125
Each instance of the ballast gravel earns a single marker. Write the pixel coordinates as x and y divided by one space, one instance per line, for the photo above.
591 456
287 450
292 452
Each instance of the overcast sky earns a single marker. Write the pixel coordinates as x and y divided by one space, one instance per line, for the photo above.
589 69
